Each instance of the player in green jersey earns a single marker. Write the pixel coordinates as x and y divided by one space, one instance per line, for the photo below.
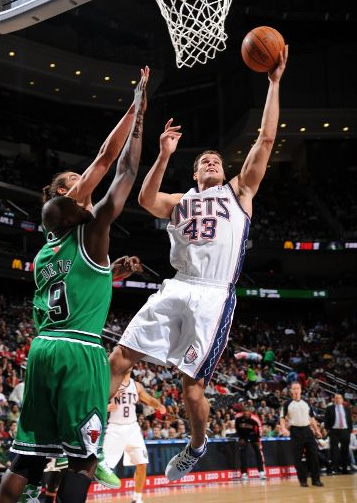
67 377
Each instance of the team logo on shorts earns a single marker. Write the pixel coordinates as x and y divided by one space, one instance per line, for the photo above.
190 355
91 432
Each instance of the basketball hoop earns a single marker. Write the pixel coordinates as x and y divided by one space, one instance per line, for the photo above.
196 28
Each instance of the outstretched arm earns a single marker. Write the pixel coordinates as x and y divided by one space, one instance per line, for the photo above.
96 237
246 184
107 154
158 203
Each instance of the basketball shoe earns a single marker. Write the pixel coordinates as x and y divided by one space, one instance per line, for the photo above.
31 494
181 464
105 475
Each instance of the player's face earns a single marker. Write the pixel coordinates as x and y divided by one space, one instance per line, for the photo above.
209 169
71 179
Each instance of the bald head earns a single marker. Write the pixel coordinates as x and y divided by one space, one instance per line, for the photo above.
62 213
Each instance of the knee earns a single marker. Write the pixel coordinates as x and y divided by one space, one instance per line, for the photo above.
122 358
115 358
194 392
29 467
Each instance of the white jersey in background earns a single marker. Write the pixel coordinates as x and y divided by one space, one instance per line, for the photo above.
208 232
126 401
123 434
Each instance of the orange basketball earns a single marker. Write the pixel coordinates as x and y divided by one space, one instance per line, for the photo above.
261 47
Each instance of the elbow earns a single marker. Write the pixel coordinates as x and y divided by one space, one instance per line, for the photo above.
142 200
268 140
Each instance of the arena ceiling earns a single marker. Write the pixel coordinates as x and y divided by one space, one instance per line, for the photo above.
218 104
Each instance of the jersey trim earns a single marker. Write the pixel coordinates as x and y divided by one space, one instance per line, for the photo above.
242 251
76 332
58 240
71 340
237 200
86 257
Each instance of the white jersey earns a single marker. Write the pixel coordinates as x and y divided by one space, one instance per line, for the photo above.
126 401
208 231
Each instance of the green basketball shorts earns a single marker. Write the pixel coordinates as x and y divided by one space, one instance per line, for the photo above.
66 398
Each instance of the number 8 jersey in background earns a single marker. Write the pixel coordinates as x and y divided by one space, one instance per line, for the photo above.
208 231
73 293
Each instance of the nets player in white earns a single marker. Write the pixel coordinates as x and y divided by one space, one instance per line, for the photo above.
187 322
123 435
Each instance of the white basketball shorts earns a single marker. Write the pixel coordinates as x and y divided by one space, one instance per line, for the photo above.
124 439
186 324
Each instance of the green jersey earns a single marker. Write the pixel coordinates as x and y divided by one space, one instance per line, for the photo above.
73 293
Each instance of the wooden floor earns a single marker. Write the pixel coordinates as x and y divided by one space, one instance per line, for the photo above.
337 489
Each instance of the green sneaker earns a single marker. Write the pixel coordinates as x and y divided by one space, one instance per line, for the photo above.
31 494
105 475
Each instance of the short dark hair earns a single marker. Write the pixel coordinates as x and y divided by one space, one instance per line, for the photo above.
195 164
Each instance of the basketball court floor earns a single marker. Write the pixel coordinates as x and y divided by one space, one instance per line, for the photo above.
337 489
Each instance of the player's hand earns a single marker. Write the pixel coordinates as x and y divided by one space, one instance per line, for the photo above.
135 264
275 74
140 98
318 434
169 138
124 267
111 407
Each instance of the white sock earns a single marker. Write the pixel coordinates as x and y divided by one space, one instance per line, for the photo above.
197 451
138 497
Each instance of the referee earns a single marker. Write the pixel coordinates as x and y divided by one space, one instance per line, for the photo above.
301 419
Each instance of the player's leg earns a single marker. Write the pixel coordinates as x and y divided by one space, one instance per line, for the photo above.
136 454
208 315
258 449
139 479
37 433
243 451
121 359
52 477
77 479
82 399
197 408
24 470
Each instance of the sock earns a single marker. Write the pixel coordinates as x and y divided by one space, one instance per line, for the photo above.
30 493
137 497
198 451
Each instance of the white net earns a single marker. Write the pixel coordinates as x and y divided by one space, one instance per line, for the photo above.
196 28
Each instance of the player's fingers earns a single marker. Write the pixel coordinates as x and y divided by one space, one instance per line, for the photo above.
168 123
173 128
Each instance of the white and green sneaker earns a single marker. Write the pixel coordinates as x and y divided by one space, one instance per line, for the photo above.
31 494
105 475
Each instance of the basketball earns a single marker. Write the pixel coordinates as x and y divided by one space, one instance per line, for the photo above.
260 48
